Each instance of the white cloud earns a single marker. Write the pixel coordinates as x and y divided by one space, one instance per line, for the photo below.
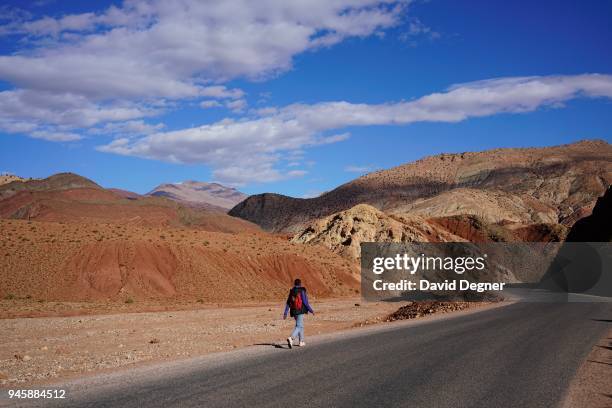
221 92
358 169
37 113
55 136
120 64
210 103
417 29
157 49
323 140
239 151
312 194
237 106
248 150
65 109
129 128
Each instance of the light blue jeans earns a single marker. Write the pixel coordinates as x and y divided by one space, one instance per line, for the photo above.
298 332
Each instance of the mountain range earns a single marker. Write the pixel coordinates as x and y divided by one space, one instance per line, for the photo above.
67 238
68 197
517 194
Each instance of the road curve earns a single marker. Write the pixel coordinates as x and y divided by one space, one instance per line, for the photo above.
521 355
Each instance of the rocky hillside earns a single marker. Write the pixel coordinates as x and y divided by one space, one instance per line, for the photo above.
197 193
552 184
56 182
343 232
104 261
490 206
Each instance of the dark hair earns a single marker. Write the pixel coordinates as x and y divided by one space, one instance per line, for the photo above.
297 282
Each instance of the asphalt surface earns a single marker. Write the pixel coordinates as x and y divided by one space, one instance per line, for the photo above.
521 355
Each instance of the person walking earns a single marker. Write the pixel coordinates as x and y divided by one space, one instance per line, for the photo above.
297 305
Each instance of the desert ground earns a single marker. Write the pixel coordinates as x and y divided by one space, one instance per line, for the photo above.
39 350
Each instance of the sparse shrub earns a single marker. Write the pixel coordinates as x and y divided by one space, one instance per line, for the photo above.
129 300
200 301
9 296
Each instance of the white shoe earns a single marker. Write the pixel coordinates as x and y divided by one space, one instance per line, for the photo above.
302 343
290 342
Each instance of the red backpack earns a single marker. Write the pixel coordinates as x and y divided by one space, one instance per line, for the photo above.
296 303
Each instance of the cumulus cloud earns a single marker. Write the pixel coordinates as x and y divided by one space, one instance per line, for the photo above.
124 62
242 151
158 49
26 111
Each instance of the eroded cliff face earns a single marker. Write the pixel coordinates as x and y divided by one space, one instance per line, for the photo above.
547 185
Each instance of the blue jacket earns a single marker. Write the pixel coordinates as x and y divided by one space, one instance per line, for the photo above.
304 301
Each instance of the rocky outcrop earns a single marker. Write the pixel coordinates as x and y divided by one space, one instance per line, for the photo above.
343 232
6 178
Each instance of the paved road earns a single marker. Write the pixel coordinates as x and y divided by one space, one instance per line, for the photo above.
522 355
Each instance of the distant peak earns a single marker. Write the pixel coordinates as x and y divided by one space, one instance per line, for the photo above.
200 192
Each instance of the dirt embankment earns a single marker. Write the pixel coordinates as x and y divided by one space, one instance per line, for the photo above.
84 262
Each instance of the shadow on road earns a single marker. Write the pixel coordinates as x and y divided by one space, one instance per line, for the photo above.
275 345
602 320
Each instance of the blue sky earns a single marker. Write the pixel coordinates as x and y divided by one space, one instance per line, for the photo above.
291 97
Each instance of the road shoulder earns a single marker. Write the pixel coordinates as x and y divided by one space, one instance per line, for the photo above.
592 386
